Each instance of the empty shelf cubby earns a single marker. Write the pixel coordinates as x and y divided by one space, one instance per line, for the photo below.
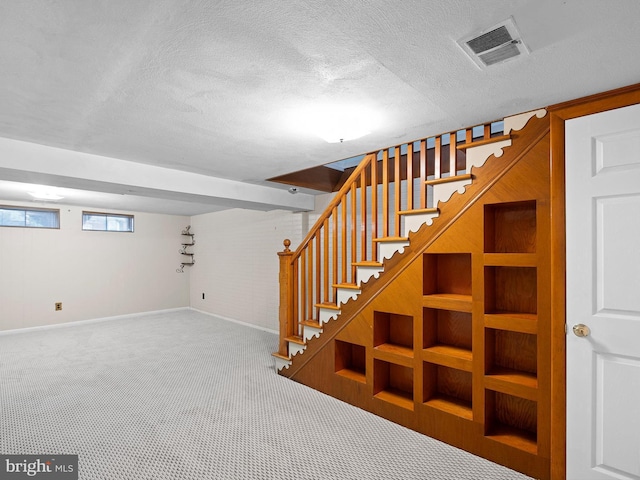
510 227
447 389
511 290
350 361
446 327
393 333
511 420
447 273
393 383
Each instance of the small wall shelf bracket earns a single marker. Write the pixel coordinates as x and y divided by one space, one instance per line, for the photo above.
184 250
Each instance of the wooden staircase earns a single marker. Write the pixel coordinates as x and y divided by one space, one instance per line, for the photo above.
419 294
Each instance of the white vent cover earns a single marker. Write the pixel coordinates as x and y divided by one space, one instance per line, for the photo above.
494 45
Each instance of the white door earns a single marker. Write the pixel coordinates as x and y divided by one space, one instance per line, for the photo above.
603 293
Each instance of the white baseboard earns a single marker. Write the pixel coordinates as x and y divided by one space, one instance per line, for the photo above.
233 320
88 321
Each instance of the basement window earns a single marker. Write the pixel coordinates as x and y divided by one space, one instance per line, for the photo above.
29 217
107 222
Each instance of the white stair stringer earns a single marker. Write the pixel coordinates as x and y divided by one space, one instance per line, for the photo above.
442 192
413 221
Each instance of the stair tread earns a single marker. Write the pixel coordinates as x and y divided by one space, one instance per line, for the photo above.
419 211
281 357
457 178
328 305
390 239
367 263
349 286
312 323
484 141
296 339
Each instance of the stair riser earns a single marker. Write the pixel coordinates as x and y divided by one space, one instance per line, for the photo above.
477 156
364 274
295 348
326 314
343 295
442 192
281 363
310 332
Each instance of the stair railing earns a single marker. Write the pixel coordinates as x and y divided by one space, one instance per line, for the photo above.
367 207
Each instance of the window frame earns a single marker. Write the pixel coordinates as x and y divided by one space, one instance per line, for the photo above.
106 215
55 211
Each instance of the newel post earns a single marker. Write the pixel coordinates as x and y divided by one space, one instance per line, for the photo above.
286 298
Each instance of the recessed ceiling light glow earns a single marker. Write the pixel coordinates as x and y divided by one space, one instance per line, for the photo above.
336 123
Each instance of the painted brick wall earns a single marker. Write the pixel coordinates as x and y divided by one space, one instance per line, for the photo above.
237 263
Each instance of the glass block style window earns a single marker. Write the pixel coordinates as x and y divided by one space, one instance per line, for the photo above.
29 217
107 222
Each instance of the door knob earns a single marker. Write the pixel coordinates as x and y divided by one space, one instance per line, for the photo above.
581 330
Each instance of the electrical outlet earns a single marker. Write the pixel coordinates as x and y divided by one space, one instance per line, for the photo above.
58 306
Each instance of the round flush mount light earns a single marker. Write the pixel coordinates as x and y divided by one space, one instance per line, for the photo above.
337 123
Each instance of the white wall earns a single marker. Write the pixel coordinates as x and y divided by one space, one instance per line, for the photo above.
237 263
93 274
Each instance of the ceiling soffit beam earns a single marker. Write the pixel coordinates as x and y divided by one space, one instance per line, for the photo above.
32 163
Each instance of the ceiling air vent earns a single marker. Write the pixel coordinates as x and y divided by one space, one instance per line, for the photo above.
495 45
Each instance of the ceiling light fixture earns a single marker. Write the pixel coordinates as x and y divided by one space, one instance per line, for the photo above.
335 124
45 193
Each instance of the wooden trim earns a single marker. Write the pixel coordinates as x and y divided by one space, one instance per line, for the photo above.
600 102
558 301
559 114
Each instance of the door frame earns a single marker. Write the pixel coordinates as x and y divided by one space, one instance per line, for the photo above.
559 114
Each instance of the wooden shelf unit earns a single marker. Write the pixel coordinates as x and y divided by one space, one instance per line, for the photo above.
511 323
447 333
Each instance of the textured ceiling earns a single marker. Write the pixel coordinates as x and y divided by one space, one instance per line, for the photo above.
220 88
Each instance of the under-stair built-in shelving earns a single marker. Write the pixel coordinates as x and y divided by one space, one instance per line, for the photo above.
422 294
